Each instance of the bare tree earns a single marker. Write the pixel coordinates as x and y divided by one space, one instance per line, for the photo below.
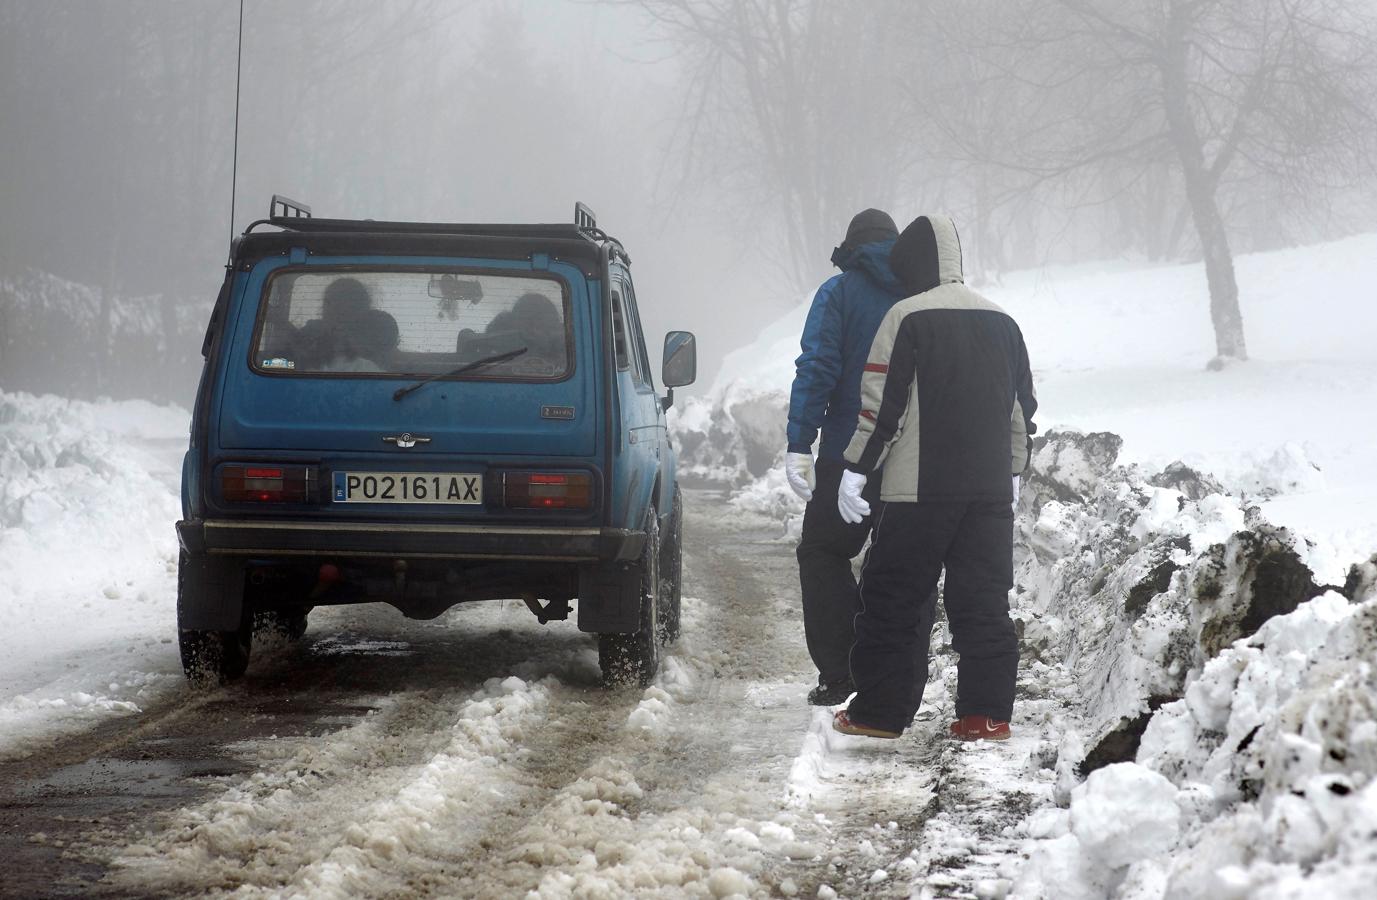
790 113
1219 90
976 122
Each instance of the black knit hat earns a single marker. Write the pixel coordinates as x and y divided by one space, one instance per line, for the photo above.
869 225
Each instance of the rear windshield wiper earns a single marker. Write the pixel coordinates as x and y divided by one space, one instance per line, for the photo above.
399 393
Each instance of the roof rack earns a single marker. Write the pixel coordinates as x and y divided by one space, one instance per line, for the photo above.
584 218
290 208
296 216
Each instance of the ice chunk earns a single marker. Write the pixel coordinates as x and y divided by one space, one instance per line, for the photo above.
1125 813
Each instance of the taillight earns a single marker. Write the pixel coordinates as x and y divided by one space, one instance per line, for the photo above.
267 484
547 490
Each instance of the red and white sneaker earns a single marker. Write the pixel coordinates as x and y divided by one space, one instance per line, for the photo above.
842 722
979 728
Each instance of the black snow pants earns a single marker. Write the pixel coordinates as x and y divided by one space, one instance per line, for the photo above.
913 542
825 551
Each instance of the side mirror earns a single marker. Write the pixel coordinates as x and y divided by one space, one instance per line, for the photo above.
680 360
680 363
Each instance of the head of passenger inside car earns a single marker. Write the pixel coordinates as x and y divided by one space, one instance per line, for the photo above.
375 337
540 325
344 300
364 344
320 341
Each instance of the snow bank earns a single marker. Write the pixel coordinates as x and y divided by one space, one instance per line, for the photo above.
1133 585
771 496
1121 816
1277 743
1225 698
88 598
732 436
1260 782
735 431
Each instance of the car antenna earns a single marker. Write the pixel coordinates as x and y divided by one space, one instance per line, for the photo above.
234 164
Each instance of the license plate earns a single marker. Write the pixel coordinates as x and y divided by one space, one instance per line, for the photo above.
408 487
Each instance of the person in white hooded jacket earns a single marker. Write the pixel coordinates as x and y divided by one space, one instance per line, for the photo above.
947 406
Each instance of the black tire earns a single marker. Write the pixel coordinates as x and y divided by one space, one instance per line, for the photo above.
634 658
210 658
672 571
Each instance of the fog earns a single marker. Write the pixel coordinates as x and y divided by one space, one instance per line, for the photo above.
726 144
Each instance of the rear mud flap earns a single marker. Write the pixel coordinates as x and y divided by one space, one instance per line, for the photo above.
210 595
609 599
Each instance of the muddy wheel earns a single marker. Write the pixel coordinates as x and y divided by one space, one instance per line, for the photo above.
211 657
672 571
634 658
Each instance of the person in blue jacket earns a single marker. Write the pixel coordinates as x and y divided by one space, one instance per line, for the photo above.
826 396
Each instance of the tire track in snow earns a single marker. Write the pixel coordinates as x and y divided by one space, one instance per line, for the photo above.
717 780
541 785
384 804
685 800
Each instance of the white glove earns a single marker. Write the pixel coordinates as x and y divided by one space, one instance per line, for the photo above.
798 468
850 504
1016 484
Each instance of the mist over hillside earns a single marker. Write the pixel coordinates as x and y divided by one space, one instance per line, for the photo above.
726 144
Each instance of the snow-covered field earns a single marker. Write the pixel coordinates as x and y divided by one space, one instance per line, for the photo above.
1228 754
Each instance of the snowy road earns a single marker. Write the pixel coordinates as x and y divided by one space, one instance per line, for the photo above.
475 756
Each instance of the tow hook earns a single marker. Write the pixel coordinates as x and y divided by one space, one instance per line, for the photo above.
399 578
557 609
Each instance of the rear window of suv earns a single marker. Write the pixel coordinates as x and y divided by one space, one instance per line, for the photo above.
413 324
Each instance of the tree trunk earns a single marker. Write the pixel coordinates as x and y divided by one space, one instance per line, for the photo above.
1201 193
1219 272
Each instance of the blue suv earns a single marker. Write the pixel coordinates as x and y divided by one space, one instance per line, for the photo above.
427 414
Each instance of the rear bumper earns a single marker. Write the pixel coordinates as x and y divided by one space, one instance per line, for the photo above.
267 539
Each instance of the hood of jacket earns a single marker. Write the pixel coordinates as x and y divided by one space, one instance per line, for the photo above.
927 254
874 260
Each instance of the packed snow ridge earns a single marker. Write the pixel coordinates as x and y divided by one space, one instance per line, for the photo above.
1225 715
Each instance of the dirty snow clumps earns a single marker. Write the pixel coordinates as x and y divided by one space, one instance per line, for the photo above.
1224 741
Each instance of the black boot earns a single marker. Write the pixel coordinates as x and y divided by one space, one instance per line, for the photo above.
831 694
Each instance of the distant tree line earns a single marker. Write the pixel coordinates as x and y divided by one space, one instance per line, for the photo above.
105 188
116 151
1051 129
